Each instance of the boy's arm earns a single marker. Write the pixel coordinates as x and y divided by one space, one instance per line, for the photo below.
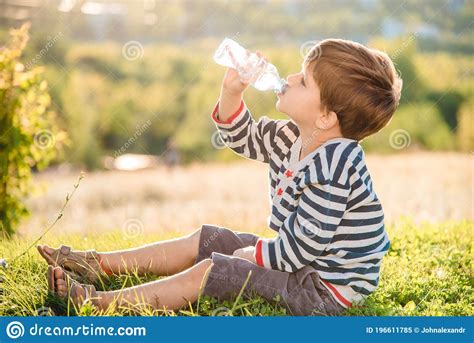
231 96
254 140
306 233
237 127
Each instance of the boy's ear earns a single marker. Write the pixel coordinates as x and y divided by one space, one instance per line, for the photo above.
328 119
334 118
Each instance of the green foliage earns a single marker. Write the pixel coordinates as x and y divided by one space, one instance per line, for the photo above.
448 103
413 89
422 127
426 272
177 92
466 124
104 98
29 135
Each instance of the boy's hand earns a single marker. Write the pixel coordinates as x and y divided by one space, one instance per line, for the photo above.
246 253
233 83
232 91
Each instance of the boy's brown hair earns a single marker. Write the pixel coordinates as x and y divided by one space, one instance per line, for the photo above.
359 84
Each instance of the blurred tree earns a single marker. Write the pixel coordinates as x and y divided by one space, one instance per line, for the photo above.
29 133
448 103
465 132
413 86
83 116
418 125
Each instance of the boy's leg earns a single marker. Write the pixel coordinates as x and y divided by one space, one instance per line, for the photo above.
173 256
171 293
179 289
160 258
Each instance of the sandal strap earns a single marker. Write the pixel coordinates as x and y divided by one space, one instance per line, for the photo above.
87 265
50 276
65 250
90 291
91 255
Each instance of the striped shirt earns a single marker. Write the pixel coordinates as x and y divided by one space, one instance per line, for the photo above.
323 207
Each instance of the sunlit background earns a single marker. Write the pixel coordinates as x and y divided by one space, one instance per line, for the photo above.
133 83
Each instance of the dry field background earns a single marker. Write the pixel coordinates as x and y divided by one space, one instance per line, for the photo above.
421 186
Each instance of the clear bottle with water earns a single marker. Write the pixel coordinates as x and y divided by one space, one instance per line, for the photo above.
251 68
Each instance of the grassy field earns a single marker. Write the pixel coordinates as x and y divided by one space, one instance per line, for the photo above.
427 272
427 199
422 186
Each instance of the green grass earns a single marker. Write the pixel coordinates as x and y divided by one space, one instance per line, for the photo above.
427 272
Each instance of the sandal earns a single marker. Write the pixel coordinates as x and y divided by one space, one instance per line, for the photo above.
86 268
73 288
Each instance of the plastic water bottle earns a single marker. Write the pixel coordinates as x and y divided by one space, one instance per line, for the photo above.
251 68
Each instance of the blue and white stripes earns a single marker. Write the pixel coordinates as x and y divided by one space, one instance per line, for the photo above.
324 208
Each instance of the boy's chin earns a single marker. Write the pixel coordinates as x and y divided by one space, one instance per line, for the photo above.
281 108
285 112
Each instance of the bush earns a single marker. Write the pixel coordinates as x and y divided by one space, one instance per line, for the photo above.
417 125
29 137
465 132
104 97
448 103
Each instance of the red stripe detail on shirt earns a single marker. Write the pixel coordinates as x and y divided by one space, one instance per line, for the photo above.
231 118
258 253
337 294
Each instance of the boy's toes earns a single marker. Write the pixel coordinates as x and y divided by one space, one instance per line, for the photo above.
77 291
60 282
59 274
61 288
46 252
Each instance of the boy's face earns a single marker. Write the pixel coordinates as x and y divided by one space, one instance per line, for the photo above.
301 100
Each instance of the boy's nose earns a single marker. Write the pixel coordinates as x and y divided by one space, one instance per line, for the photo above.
290 79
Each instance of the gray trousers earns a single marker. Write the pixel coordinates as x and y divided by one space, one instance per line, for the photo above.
301 292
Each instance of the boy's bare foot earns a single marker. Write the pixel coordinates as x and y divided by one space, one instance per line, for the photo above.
60 284
84 264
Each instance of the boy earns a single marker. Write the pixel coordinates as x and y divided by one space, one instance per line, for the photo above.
330 238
